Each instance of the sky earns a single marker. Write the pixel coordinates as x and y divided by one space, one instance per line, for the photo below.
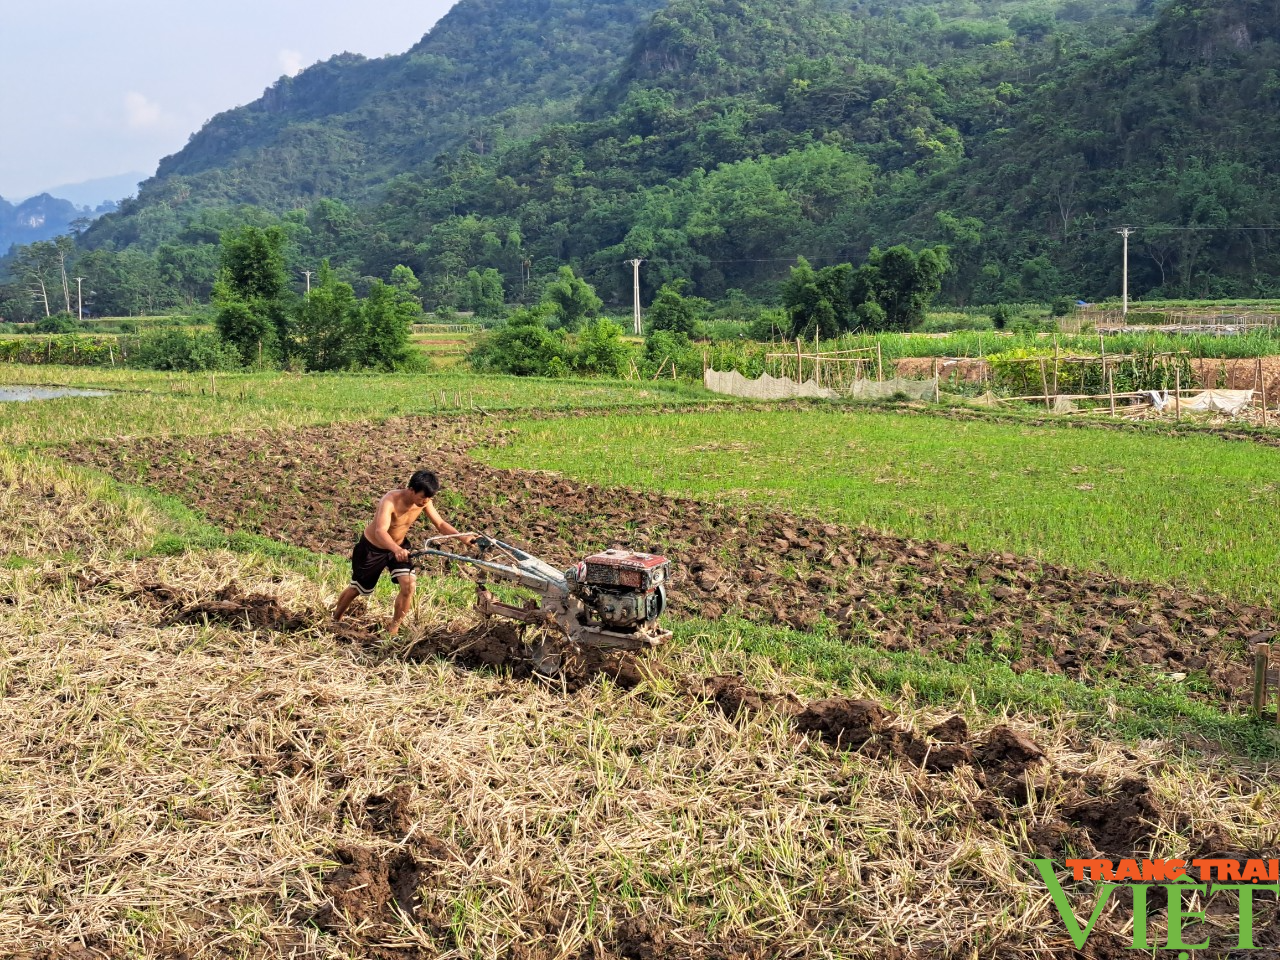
98 88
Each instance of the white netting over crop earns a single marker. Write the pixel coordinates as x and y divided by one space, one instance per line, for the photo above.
766 388
780 388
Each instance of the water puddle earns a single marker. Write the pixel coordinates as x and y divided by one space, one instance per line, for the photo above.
20 394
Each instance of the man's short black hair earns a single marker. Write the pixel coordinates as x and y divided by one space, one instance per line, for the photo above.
424 481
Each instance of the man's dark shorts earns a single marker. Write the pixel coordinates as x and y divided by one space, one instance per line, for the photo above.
368 562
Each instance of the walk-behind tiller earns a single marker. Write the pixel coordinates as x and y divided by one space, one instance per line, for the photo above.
611 600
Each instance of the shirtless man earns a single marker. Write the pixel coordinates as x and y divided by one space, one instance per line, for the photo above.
385 545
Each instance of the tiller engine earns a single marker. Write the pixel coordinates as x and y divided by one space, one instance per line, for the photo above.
611 600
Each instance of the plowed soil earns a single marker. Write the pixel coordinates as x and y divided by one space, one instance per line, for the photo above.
316 488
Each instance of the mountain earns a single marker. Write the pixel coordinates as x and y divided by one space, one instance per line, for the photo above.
344 127
738 134
719 139
37 218
1173 133
99 191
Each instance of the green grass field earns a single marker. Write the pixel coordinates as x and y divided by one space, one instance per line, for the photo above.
152 404
1194 510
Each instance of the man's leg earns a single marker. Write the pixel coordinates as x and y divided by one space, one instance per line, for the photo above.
404 599
344 601
365 571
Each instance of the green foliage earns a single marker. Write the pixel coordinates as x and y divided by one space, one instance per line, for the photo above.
523 346
601 351
950 322
250 295
387 316
733 136
1028 372
329 331
253 260
672 311
56 323
484 296
70 350
817 302
187 351
900 284
571 299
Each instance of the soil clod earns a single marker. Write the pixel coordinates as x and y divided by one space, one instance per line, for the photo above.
1121 822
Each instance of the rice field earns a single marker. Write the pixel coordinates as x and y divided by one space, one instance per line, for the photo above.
197 763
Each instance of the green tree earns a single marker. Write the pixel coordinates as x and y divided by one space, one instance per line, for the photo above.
406 281
189 271
37 266
484 295
601 350
571 298
523 346
673 311
387 316
250 295
329 331
817 301
901 283
57 323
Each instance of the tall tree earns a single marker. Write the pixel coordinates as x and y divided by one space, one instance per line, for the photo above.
572 299
328 333
251 293
387 316
899 284
817 301
673 311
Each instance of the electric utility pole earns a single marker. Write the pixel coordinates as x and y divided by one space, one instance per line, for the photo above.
636 264
80 299
1124 301
307 274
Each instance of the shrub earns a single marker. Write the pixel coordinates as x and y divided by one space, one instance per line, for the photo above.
601 350
57 323
182 351
523 346
673 311
951 322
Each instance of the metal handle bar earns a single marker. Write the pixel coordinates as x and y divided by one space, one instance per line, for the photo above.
529 571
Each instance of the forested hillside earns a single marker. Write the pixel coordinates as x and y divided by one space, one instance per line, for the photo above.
720 139
488 72
1174 133
741 133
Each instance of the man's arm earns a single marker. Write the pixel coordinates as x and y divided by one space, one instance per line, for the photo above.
441 524
381 527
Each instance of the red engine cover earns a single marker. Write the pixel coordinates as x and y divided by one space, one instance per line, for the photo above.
626 568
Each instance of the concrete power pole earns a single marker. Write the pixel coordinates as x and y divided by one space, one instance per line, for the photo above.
1124 301
636 264
307 274
80 299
